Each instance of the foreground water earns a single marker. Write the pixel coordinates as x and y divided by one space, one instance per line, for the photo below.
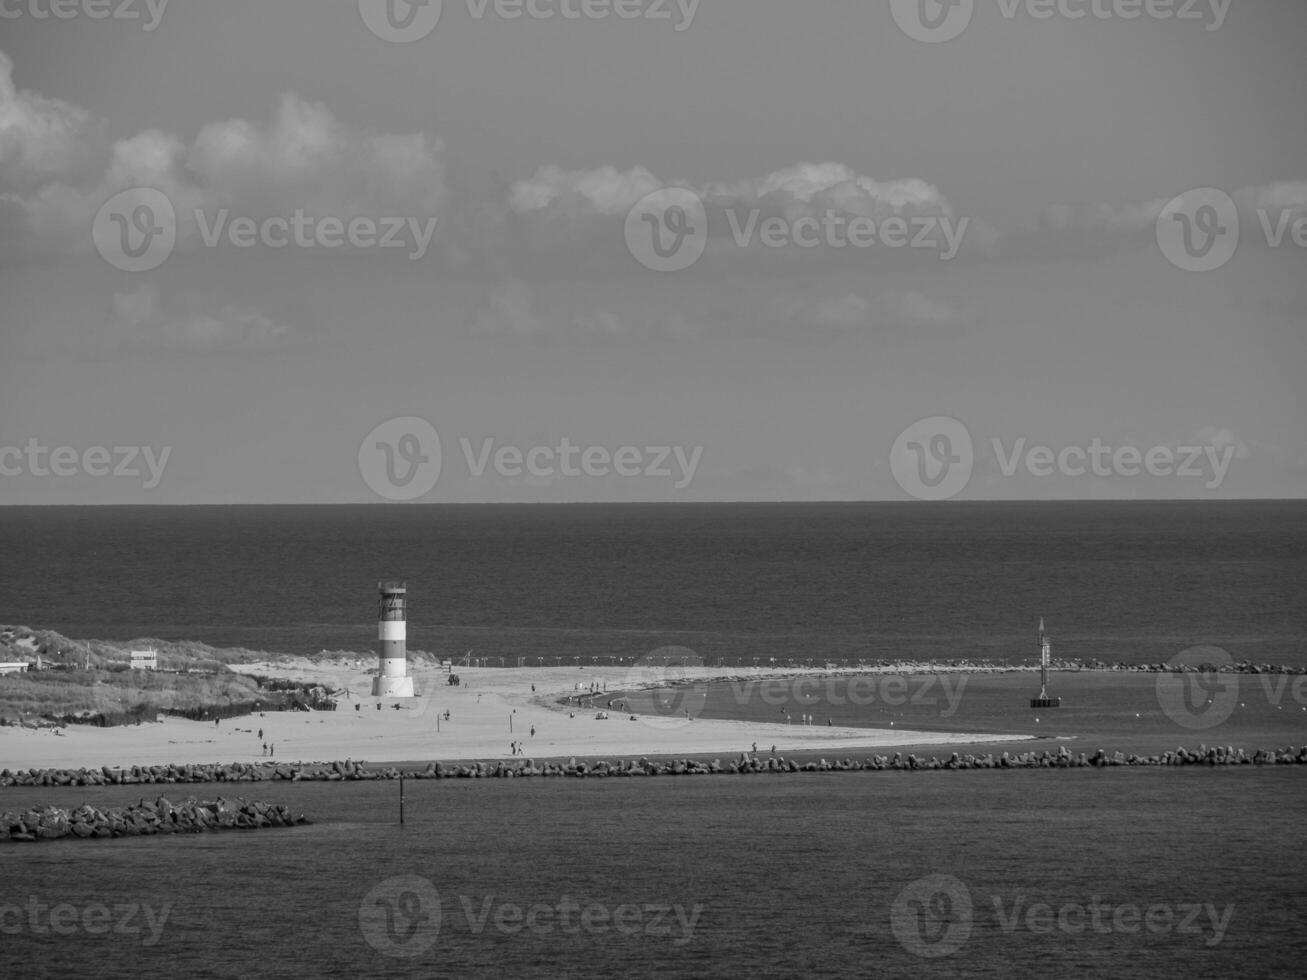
1121 874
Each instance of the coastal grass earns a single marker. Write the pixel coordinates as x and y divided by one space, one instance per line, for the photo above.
85 680
55 694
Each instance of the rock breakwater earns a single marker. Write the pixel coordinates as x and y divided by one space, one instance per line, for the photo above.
144 819
351 770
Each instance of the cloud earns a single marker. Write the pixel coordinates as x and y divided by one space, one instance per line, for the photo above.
509 313
1289 196
888 311
302 159
803 189
41 139
815 188
59 170
913 307
604 191
308 158
602 325
577 219
1106 226
140 323
512 312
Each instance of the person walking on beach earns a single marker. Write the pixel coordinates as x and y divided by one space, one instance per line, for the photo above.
533 731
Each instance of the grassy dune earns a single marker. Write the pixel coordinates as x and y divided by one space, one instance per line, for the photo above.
90 678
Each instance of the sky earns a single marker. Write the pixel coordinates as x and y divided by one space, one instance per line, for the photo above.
257 252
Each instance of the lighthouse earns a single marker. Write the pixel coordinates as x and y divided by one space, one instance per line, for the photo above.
1045 655
392 680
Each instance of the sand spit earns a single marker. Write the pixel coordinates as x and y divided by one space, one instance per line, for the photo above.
493 713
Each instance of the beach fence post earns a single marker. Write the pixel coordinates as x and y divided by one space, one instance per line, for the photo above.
401 799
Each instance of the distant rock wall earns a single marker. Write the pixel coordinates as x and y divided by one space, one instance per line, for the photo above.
143 819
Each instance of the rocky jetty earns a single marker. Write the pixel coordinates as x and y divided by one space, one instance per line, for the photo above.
144 819
351 770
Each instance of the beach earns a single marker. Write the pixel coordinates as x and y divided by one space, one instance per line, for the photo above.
489 711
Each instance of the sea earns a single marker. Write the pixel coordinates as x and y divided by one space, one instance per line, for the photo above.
1121 873
1132 582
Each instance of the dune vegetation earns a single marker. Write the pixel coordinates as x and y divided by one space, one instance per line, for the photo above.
91 682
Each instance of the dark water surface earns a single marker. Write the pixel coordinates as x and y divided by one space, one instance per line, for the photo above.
1134 581
1130 711
792 875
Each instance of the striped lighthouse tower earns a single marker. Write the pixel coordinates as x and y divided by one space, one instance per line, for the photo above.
392 680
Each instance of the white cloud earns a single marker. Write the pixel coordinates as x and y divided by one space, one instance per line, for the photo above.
605 190
814 188
141 324
303 159
40 139
804 188
1138 220
307 158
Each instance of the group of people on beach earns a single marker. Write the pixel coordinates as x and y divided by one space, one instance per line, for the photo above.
516 747
804 719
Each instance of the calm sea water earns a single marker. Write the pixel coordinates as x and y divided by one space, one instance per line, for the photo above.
1132 711
792 876
1122 581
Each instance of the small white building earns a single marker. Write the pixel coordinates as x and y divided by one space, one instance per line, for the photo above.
145 660
14 668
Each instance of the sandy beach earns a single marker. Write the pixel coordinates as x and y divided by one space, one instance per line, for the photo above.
491 709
